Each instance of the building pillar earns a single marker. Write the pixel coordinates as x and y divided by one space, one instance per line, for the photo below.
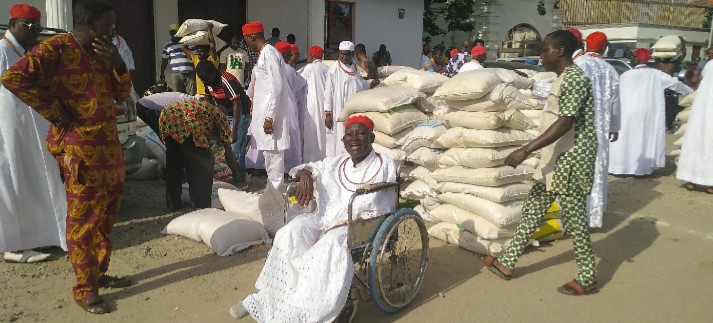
316 26
488 13
59 14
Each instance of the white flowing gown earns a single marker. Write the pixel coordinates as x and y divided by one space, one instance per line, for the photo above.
297 93
339 87
308 271
641 147
33 205
314 141
696 162
605 87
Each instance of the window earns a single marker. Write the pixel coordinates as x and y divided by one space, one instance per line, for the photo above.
339 24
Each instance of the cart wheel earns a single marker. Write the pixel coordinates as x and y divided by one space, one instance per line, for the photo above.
398 260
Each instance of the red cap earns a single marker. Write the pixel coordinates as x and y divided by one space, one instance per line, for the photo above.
642 54
360 119
577 34
25 11
283 47
316 51
294 49
454 52
596 41
253 27
478 50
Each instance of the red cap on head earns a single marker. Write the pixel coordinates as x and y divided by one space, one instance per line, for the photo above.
478 50
642 54
454 52
294 49
283 47
577 34
596 41
316 51
360 119
253 27
25 11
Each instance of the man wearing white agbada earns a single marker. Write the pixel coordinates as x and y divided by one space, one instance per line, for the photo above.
308 272
605 87
312 120
343 81
297 91
33 206
696 162
268 90
642 139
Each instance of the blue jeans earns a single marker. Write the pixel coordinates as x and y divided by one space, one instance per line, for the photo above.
240 145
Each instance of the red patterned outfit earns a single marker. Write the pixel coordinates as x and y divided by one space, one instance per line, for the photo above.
59 74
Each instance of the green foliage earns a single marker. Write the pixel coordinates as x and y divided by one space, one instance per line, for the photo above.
541 10
707 21
457 14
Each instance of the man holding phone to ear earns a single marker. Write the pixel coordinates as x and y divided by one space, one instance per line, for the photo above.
72 80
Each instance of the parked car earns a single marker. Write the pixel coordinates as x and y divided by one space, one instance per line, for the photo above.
132 144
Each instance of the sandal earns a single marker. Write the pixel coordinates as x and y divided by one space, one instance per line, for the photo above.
489 263
107 281
26 256
574 288
93 304
690 186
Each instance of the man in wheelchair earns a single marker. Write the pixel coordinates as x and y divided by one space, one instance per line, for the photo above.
308 271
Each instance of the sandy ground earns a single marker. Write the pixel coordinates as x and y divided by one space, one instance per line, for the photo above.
655 264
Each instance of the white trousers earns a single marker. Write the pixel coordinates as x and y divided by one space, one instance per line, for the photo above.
275 167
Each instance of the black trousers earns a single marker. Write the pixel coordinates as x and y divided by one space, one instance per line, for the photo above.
199 169
150 116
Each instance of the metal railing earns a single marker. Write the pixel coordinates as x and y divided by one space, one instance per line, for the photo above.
678 13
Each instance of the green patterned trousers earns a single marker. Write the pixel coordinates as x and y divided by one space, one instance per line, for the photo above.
575 221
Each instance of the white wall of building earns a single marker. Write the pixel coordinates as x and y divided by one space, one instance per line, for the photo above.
165 14
291 16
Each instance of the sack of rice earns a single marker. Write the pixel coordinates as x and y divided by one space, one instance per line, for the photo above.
425 215
423 174
462 137
430 203
416 190
510 77
453 234
429 130
468 85
681 130
390 141
682 116
495 176
417 79
503 97
429 104
395 154
396 119
687 101
387 70
502 215
497 194
194 25
670 46
475 157
201 38
471 222
415 144
378 100
426 157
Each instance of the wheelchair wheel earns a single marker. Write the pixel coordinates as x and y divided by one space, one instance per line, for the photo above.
398 260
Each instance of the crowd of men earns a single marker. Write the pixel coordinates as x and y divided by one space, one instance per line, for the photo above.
62 157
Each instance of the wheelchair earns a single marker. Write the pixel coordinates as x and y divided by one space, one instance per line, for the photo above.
390 254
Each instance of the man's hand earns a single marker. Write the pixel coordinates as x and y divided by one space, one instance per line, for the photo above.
613 136
328 122
516 157
108 51
374 83
267 126
305 188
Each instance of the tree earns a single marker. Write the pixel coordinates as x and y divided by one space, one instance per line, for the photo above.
457 14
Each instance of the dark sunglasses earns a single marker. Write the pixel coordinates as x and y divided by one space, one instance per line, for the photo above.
31 26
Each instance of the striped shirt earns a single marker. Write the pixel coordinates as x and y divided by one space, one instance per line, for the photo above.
228 91
180 63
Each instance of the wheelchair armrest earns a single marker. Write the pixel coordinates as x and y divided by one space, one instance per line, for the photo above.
371 188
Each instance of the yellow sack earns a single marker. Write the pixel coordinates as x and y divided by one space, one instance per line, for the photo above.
549 231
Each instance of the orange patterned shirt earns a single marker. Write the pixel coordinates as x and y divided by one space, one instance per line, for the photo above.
196 119
59 74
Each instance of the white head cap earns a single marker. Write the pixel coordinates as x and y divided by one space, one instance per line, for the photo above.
346 45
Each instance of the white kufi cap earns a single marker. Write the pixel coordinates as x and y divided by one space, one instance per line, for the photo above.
346 45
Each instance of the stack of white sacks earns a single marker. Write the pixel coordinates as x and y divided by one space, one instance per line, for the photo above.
682 120
195 32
